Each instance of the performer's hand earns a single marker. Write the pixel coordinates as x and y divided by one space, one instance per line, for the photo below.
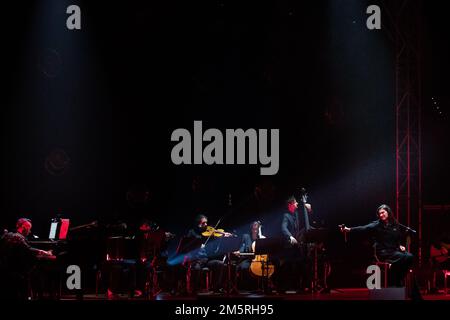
444 251
227 234
237 253
402 248
293 240
344 229
45 253
202 246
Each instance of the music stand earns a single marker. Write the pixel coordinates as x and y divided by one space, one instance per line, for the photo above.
227 246
317 235
188 245
267 246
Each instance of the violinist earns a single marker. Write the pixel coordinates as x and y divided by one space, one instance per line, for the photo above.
205 256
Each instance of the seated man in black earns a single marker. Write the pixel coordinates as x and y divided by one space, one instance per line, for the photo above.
151 242
17 258
439 258
388 236
204 256
439 252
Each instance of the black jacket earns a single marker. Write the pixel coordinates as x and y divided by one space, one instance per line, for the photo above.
387 238
292 225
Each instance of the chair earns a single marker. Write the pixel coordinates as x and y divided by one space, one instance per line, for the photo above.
446 274
204 272
383 265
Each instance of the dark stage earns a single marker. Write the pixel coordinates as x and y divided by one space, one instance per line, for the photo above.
346 294
158 150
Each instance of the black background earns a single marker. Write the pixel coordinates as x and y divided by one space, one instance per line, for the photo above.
111 94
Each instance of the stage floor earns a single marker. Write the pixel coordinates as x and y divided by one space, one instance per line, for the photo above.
335 294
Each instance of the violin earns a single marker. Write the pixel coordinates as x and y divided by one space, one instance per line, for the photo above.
213 232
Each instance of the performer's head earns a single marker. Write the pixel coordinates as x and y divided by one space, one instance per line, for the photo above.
254 226
292 204
384 213
23 226
202 221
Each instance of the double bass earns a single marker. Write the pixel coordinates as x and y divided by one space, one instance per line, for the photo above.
260 266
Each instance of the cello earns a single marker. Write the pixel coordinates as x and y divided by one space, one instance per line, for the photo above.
260 266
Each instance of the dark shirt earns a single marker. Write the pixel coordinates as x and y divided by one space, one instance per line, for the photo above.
16 255
198 253
195 233
210 251
292 225
246 243
387 238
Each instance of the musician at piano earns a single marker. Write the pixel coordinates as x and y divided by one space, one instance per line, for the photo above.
293 267
205 256
17 260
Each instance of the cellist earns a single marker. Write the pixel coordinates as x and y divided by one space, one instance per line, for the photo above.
246 247
204 256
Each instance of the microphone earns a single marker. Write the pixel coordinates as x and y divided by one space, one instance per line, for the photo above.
408 228
411 230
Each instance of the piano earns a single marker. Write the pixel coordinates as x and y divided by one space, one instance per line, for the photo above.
83 247
45 277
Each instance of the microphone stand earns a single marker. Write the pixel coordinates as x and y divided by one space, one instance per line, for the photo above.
407 228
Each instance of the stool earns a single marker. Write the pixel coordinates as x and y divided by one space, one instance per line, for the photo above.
446 274
204 271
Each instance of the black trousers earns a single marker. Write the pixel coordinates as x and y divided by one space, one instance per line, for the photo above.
401 263
217 268
294 270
